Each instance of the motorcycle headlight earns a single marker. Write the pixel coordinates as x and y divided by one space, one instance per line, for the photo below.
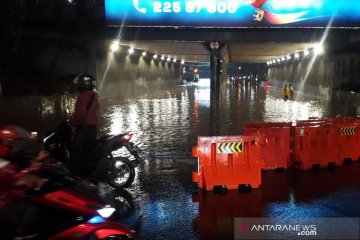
96 219
106 212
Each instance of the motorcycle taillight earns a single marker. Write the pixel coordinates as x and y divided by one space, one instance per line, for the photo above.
126 137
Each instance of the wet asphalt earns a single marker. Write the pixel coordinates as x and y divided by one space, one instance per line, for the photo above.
163 202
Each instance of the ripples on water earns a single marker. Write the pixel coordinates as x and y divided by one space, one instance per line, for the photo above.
171 120
167 124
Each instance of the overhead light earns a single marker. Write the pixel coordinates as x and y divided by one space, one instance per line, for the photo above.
131 50
162 57
278 60
182 61
288 57
274 61
283 59
306 52
114 46
155 56
144 54
296 55
168 59
319 49
174 60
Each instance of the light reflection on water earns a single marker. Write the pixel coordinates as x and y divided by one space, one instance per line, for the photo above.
170 119
167 124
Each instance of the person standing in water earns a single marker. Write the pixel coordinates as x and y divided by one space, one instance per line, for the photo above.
286 92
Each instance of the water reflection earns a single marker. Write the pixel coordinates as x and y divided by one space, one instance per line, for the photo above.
290 194
167 124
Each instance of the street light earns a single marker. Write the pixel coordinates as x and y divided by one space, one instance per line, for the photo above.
131 51
319 49
114 46
144 54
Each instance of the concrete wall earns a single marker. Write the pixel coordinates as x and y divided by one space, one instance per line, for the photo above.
50 70
123 75
348 69
314 76
320 76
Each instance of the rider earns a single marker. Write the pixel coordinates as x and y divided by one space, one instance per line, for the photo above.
84 122
17 174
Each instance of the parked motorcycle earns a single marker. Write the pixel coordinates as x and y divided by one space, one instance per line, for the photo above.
117 171
69 210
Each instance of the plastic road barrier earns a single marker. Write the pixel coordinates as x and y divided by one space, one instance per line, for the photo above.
276 149
228 161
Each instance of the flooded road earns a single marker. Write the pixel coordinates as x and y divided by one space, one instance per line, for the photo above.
163 202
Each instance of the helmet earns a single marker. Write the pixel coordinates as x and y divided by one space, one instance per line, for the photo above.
84 82
14 141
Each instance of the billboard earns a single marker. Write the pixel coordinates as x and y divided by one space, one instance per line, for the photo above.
233 13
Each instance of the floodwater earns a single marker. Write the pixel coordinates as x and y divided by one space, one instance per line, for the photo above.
163 203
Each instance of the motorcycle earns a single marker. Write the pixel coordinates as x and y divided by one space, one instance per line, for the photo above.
117 171
70 210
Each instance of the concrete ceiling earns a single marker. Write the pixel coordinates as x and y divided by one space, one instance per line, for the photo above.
239 52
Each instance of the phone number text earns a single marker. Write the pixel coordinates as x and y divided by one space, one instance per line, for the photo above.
195 7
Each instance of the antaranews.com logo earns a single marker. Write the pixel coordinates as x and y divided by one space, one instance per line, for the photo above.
296 228
300 230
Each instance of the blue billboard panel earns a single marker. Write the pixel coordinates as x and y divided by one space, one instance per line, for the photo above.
234 13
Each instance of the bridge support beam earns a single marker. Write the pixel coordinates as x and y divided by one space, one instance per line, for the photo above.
214 49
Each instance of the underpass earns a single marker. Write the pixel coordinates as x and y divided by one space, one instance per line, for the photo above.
147 95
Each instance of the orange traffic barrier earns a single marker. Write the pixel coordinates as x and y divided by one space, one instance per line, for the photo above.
347 135
276 149
228 161
342 139
314 146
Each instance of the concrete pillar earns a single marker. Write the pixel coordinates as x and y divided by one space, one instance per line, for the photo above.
215 73
225 60
214 48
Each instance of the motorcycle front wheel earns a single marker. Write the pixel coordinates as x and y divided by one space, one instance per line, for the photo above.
122 173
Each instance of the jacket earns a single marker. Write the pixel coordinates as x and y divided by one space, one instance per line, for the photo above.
86 110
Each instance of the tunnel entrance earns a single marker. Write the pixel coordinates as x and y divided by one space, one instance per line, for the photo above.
286 38
280 38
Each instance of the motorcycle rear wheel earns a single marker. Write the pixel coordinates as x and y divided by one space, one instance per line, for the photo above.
122 173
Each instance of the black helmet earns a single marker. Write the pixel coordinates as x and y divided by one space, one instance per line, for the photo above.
84 82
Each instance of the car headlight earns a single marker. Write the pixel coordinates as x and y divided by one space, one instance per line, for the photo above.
106 211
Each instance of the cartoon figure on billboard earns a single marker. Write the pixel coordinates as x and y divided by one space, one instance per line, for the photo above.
261 13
